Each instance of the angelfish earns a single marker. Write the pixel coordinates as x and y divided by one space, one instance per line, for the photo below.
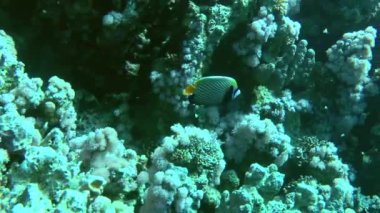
212 90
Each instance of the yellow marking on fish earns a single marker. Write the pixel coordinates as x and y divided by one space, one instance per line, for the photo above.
189 90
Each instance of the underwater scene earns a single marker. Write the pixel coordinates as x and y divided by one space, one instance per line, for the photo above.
184 106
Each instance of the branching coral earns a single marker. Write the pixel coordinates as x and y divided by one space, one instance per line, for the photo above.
172 188
270 49
260 186
349 60
105 156
264 135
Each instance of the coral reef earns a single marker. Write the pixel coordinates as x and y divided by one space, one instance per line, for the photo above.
95 120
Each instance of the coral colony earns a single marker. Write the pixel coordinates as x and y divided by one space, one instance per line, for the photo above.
93 116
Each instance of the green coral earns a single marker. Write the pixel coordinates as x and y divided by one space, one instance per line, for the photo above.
263 95
198 155
7 82
197 150
281 42
279 7
182 156
320 159
211 196
230 180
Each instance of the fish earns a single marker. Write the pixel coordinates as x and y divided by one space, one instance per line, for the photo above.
212 90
